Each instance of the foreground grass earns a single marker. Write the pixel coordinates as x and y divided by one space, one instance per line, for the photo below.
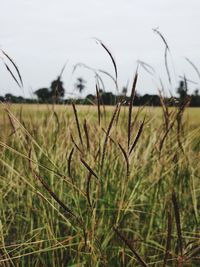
88 190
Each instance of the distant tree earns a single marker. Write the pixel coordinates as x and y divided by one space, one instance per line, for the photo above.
124 91
108 98
9 97
195 99
101 91
54 94
137 99
90 99
182 91
43 95
80 84
57 90
14 99
196 92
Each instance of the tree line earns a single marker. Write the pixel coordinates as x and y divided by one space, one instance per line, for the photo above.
56 92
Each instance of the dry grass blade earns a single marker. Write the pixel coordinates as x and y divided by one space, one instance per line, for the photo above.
179 119
166 65
137 256
99 79
98 105
165 134
57 121
162 141
178 223
21 114
107 134
15 66
85 127
98 153
111 139
169 237
136 116
165 110
179 131
194 66
110 54
13 76
77 123
99 99
48 189
147 67
73 141
137 136
14 129
166 51
162 37
126 159
69 163
89 169
131 107
110 76
118 114
62 70
88 189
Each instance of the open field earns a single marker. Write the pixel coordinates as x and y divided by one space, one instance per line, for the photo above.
87 187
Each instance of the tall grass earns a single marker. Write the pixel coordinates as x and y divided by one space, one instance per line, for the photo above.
80 189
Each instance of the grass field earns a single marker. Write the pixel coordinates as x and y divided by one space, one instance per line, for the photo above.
82 186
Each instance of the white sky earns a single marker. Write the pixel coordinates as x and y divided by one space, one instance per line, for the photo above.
41 35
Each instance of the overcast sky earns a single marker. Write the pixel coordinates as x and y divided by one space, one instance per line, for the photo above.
41 35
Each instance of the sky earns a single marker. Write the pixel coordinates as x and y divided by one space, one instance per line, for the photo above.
42 35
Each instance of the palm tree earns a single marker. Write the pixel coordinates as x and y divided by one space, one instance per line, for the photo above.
80 84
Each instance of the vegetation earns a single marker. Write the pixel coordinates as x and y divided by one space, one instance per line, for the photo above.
52 95
97 185
55 94
90 186
80 85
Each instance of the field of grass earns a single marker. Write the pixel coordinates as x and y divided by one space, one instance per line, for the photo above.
82 186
